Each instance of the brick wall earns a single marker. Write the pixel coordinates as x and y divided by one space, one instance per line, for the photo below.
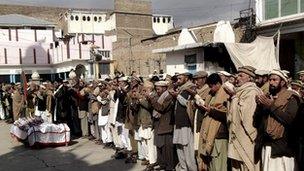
46 13
134 6
144 62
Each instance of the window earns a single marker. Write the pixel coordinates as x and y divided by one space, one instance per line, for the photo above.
271 9
72 17
34 55
104 53
76 18
104 68
190 63
288 7
169 19
154 19
281 8
164 20
107 54
88 18
190 59
99 19
84 18
5 56
158 20
95 18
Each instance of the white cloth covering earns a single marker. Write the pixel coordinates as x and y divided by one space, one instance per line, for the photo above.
223 32
278 163
260 54
45 133
17 132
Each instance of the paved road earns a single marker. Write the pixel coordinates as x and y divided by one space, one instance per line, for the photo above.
82 155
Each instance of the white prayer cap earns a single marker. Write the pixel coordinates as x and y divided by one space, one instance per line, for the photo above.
280 74
35 76
162 83
225 73
123 78
261 72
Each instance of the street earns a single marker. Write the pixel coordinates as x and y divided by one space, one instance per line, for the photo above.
82 154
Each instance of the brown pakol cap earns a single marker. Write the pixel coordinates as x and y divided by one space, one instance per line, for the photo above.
247 70
200 74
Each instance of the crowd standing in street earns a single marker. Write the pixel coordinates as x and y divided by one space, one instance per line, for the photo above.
250 120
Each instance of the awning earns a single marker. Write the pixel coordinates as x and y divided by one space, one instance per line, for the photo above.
180 47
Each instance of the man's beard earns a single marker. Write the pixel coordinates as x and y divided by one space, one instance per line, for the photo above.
274 90
259 84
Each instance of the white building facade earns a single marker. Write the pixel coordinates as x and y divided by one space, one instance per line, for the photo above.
284 17
161 24
31 45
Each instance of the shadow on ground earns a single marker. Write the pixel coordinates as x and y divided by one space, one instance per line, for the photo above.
80 155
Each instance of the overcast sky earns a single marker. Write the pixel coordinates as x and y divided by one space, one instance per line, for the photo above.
185 12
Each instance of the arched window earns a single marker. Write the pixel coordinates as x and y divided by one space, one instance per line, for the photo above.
72 17
154 19
88 18
83 18
95 18
99 19
169 19
76 18
158 20
164 19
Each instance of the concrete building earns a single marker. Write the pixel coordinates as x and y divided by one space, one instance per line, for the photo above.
25 45
286 17
83 21
130 23
116 35
194 51
31 45
87 28
161 24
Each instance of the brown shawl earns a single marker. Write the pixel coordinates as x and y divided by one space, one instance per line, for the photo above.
203 92
211 126
273 128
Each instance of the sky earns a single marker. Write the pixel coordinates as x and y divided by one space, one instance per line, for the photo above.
185 12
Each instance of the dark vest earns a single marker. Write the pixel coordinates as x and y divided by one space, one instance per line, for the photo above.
181 116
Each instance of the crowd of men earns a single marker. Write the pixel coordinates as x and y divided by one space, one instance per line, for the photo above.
251 120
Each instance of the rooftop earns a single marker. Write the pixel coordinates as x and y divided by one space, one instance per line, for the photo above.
16 20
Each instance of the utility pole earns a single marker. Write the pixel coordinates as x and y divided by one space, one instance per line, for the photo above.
130 50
